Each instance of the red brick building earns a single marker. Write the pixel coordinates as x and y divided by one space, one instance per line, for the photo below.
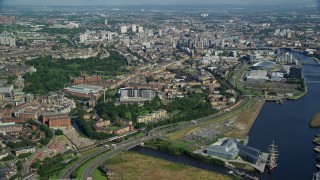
59 120
12 119
10 128
85 79
28 115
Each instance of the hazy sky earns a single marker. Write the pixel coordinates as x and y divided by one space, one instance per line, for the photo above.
143 2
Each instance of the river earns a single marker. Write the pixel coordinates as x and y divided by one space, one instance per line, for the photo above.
287 125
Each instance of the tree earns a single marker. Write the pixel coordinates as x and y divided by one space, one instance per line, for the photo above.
8 106
36 164
24 155
8 158
59 132
53 75
127 115
19 165
44 141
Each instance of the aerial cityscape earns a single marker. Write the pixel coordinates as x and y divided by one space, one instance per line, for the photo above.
159 90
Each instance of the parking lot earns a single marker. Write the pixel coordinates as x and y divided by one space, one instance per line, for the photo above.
207 135
76 138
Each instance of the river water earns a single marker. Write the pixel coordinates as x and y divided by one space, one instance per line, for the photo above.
287 125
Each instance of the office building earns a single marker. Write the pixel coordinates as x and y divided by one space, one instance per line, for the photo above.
123 29
83 38
285 58
6 40
136 95
134 28
140 29
109 36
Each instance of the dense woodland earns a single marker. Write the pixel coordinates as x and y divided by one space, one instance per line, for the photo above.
189 108
87 129
110 111
53 75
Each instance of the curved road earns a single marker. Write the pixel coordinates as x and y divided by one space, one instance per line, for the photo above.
88 173
27 164
119 147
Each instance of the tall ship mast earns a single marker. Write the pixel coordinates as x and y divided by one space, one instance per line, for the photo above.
273 156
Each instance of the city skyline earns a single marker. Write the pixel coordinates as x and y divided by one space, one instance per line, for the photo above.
154 2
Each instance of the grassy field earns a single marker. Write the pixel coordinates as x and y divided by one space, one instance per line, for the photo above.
245 120
131 165
315 121
298 96
97 175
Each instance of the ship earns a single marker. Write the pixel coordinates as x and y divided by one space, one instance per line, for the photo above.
273 156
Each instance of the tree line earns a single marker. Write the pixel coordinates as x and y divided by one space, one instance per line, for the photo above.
168 147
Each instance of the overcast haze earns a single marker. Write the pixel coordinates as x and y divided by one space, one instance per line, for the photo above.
150 2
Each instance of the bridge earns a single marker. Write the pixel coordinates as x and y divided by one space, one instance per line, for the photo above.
105 141
27 176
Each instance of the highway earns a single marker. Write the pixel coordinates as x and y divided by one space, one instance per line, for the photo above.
67 173
88 173
119 147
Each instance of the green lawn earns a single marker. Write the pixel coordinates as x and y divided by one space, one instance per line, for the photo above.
97 175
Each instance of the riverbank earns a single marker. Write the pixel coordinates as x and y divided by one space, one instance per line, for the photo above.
315 121
245 120
300 95
132 165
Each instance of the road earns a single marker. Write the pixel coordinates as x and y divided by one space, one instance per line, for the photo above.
27 164
89 171
119 147
156 132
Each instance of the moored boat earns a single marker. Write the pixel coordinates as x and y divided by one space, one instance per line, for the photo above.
273 156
